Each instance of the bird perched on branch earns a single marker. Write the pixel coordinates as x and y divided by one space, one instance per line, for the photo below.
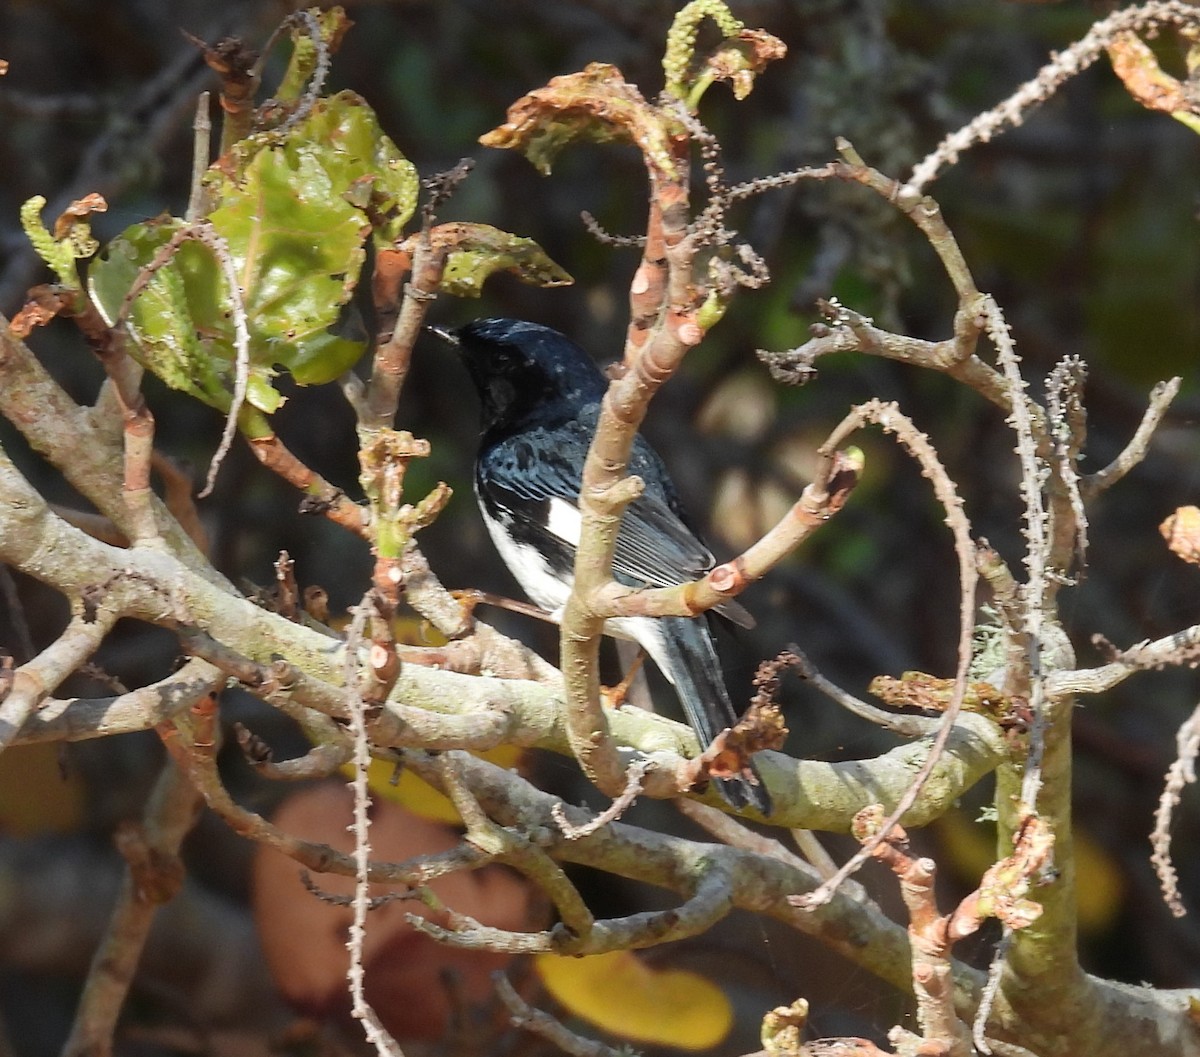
541 398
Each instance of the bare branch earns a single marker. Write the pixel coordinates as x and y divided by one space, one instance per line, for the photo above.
1161 397
917 444
820 501
360 1008
82 718
1063 66
38 677
153 875
614 811
1067 421
906 725
1182 772
539 1023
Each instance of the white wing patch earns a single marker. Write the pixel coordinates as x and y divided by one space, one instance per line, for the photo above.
564 521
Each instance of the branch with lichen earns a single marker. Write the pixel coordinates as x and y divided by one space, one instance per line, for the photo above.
426 706
1000 894
80 448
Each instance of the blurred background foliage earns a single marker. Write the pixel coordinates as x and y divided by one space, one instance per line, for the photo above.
1082 223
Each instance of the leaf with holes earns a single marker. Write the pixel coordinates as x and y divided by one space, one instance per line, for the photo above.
295 211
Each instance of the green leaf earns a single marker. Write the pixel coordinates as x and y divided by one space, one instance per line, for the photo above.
294 212
171 335
363 166
480 250
298 249
331 27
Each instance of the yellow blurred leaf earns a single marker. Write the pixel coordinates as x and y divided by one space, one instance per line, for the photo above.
969 848
35 795
1101 884
417 795
621 994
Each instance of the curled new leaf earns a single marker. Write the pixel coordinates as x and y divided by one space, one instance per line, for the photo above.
741 59
475 252
1135 63
597 104
1182 532
330 26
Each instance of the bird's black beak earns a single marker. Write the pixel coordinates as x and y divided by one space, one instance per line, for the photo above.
445 333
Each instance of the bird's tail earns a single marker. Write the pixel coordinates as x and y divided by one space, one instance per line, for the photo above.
691 664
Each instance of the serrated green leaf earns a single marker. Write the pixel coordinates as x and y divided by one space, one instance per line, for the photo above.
294 210
171 338
363 165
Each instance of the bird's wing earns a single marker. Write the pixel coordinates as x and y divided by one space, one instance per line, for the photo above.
535 478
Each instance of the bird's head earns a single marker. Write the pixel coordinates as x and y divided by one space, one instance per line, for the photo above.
525 372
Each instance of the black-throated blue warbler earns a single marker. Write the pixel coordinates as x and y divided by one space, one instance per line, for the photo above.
540 394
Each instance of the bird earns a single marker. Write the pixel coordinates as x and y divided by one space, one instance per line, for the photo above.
540 398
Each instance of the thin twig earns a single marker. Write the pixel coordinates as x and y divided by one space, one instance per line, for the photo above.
1065 65
544 1025
361 1009
1134 452
1037 550
153 875
1182 772
201 146
38 677
917 444
633 787
991 991
904 725
606 238
824 496
1067 421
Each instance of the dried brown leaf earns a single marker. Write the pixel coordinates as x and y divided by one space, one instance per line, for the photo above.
1135 63
1182 532
740 59
596 104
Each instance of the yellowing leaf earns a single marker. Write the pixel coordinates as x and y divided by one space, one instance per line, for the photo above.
624 996
417 795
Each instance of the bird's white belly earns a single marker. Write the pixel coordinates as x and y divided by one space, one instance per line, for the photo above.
531 570
547 591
